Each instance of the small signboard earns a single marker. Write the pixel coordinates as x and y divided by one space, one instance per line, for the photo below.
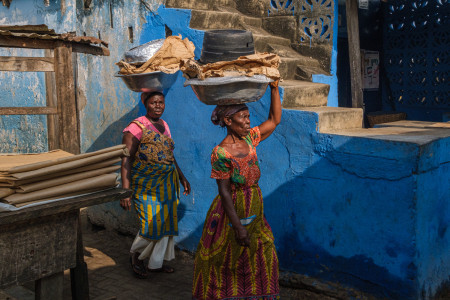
371 69
363 4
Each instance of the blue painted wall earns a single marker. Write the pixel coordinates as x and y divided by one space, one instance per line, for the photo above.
433 216
22 133
367 213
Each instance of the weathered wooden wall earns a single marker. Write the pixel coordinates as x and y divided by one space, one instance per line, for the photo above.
33 249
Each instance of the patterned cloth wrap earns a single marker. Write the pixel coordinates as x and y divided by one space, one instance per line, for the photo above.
223 268
155 184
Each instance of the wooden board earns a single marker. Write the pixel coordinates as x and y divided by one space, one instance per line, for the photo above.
36 248
52 208
40 29
69 136
79 275
20 42
28 110
23 42
26 64
50 96
354 53
90 49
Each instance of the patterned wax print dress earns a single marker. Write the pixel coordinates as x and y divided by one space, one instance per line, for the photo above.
154 181
224 269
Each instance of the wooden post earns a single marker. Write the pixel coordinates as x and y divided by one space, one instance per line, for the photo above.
51 97
75 80
354 53
79 275
69 137
50 287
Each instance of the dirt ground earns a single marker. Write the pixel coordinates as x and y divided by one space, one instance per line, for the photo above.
110 275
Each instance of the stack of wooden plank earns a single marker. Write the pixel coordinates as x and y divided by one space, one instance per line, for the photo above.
33 178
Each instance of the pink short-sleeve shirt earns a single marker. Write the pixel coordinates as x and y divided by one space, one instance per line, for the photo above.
135 130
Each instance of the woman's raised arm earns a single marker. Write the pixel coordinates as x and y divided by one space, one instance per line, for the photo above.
267 127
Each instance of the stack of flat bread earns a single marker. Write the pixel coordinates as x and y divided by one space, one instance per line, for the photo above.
33 178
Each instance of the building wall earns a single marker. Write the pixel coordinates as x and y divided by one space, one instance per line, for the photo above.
358 211
370 39
22 134
433 218
415 48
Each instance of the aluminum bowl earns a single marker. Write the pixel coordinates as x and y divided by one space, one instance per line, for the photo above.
229 90
148 82
142 53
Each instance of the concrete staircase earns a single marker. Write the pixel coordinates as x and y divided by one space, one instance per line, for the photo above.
296 70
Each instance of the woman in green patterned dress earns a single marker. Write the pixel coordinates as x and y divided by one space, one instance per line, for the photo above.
236 256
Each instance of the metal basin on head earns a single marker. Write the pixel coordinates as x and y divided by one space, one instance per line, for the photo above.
229 90
148 82
140 54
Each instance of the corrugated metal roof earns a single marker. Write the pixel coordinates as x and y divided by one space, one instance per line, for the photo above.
42 32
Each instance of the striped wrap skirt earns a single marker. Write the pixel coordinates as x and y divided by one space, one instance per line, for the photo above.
156 193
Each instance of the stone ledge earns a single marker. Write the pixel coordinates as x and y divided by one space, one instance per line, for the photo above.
416 132
321 290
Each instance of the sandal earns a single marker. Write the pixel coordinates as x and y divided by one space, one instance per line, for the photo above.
139 270
163 269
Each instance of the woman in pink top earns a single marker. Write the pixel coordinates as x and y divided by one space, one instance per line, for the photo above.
153 174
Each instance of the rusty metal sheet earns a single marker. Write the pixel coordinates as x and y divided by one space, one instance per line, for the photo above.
83 39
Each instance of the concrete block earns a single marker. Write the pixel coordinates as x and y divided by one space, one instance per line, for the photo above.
255 8
284 26
216 20
331 119
262 40
288 67
300 94
320 52
199 4
287 51
306 72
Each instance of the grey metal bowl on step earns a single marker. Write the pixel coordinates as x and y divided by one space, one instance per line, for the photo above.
148 82
229 90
